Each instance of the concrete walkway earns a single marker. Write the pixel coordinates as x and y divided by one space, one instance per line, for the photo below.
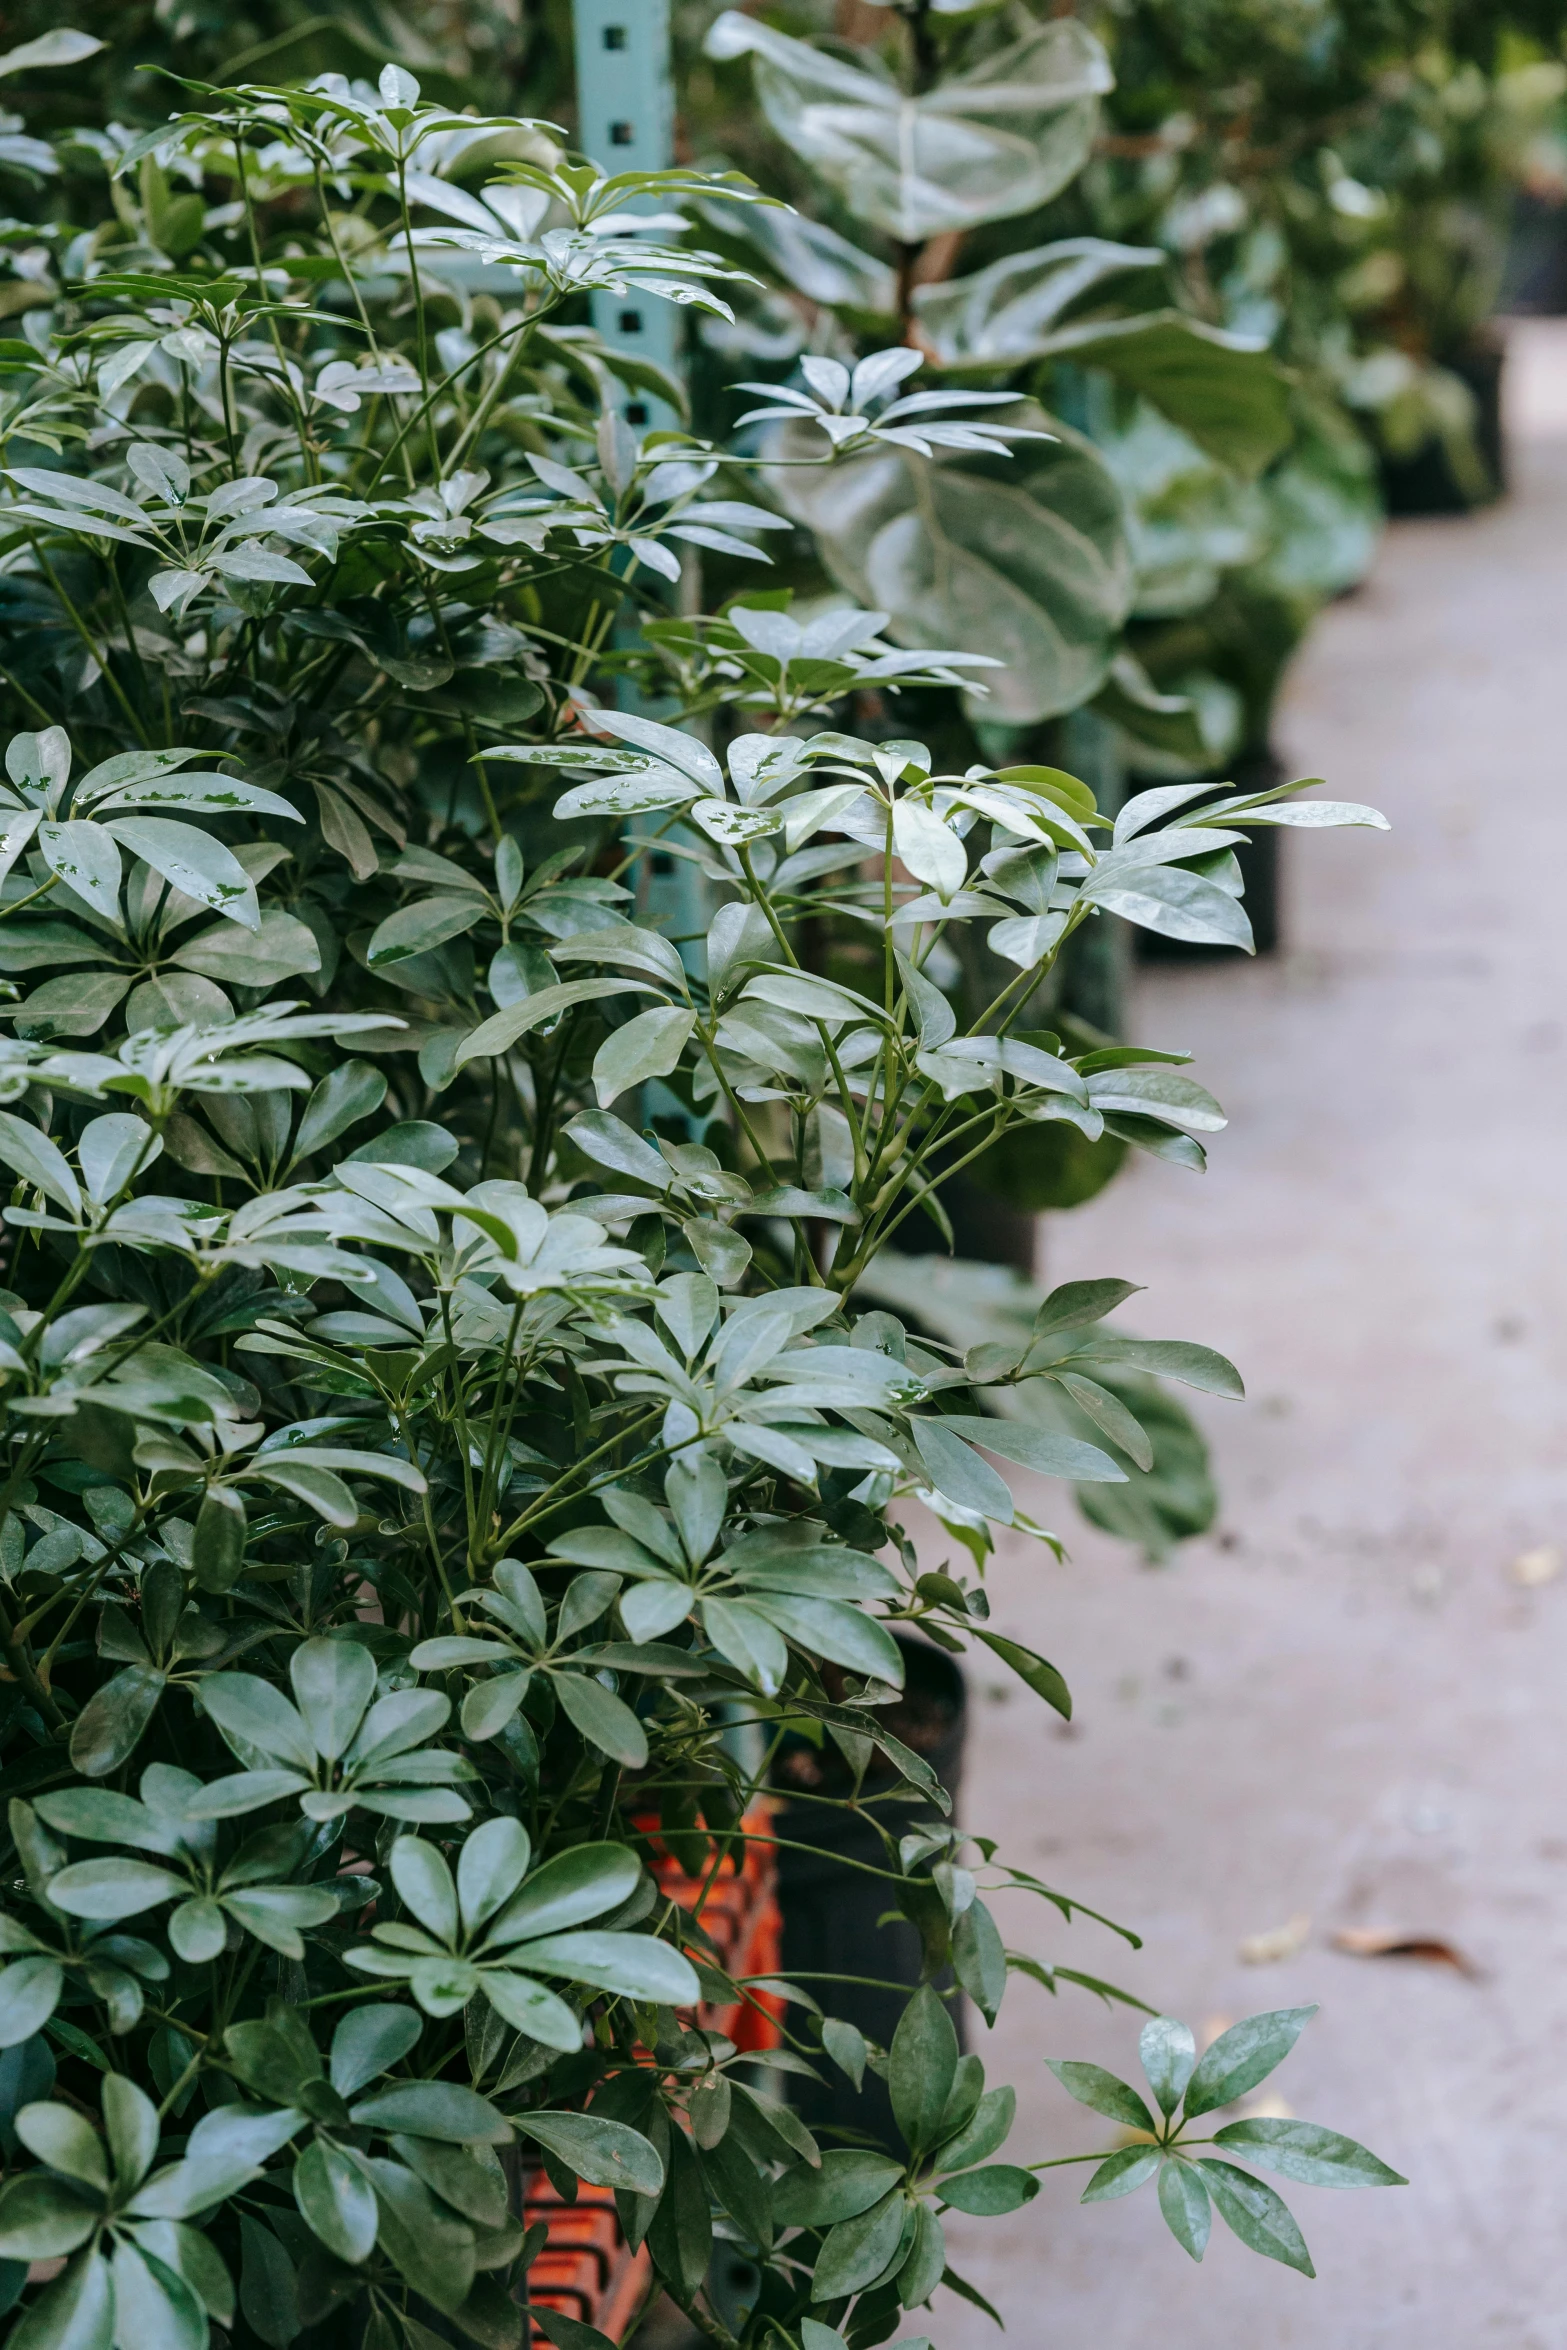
1347 1706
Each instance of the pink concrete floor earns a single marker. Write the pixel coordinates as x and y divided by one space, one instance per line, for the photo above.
1345 1705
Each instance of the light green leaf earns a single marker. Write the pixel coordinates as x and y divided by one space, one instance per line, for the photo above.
114 1888
1039 1449
279 949
648 1046
1183 2199
1000 2187
38 1161
41 2217
634 1966
504 1029
333 1682
857 2250
1023 558
336 2201
85 858
434 2109
1092 2086
605 2153
1243 2056
924 2062
1307 2152
606 1721
1001 138
66 2141
76 2312
1261 2219
200 866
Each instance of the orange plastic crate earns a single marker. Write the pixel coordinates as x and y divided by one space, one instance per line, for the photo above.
587 2270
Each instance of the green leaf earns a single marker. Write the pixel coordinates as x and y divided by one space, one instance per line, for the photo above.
680 2236
576 1885
567 2333
987 2128
1171 1358
333 1681
1039 1449
998 2188
41 2217
1110 1414
1022 558
1260 2218
200 866
30 1990
1121 2173
857 2250
504 1029
435 2109
1075 1303
1183 2199
1225 390
1092 2086
1169 2053
416 929
605 2153
1243 2056
845 2044
493 1863
1040 1675
250 1713
634 1966
114 1888
848 2181
369 2040
923 2062
280 949
835 1630
648 1046
268 2287
956 1470
1172 901
76 2312
434 2251
218 1552
336 2201
1001 139
352 1091
85 858
979 1959
1308 2153
38 1161
606 1721
66 2141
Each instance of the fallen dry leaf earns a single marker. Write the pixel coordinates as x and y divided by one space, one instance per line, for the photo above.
1533 1567
1279 1942
1393 1942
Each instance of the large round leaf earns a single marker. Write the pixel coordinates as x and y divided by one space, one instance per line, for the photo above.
1022 557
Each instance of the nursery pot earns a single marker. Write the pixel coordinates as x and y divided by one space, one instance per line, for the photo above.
833 1914
1424 482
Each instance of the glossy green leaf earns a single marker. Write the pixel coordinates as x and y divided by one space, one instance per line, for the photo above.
857 2250
1259 2217
1306 2152
924 2059
336 2201
605 2153
1092 2086
1183 2199
998 2187
1243 2056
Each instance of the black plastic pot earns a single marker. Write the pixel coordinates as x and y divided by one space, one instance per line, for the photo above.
1425 483
835 1919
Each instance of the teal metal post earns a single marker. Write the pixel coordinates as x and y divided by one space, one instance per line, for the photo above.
626 122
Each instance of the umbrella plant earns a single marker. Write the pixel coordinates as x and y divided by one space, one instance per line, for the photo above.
450 1435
